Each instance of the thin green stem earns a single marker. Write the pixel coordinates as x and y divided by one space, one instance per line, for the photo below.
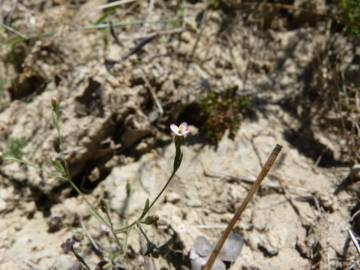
92 209
80 259
136 222
177 162
13 30
66 173
143 233
91 239
199 33
112 228
21 161
161 192
90 27
127 227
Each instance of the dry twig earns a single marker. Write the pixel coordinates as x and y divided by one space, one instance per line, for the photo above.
266 168
354 240
13 30
153 95
115 4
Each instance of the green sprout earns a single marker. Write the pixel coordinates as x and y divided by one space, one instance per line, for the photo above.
214 4
62 171
14 149
2 93
61 166
351 13
221 112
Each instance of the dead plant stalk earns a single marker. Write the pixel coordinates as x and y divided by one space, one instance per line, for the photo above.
266 168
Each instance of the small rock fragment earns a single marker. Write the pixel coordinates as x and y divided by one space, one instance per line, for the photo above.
202 246
64 262
2 205
172 197
54 223
269 244
327 202
197 262
202 249
232 248
355 172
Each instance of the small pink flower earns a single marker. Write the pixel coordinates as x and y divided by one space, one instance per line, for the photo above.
182 131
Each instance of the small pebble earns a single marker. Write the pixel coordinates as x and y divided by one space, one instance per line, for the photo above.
355 172
172 197
54 223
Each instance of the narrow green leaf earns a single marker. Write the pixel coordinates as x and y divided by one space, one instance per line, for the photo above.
149 220
178 159
59 167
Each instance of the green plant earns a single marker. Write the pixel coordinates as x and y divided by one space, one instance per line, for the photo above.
62 173
14 149
213 3
62 169
351 13
220 112
2 93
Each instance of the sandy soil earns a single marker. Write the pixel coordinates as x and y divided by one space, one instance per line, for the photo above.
119 89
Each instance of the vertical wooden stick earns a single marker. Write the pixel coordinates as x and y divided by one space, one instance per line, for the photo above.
243 206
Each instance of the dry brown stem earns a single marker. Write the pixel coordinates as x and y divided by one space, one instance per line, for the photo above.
266 168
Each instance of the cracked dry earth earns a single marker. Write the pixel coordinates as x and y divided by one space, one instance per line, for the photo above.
294 216
115 116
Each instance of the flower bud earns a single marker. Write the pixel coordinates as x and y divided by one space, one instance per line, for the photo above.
54 102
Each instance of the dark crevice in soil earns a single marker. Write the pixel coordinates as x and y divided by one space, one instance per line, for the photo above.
309 106
316 258
304 140
17 56
42 201
91 101
88 174
173 252
265 251
355 212
27 88
83 179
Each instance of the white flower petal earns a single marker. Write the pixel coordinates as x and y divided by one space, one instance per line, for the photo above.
175 129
